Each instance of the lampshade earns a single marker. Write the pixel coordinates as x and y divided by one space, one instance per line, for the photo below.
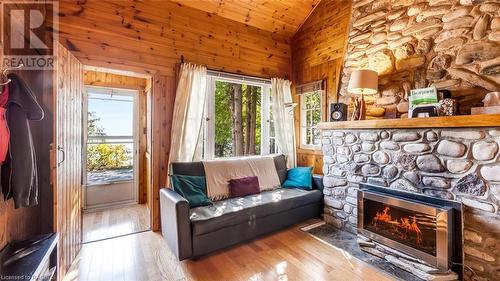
363 81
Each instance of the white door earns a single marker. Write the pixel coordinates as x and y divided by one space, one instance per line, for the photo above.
110 175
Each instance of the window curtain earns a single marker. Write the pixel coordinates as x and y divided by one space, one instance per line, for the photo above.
282 110
187 119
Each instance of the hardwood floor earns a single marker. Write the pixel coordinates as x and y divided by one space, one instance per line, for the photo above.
114 222
287 255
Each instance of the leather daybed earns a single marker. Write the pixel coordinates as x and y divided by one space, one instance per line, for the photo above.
194 232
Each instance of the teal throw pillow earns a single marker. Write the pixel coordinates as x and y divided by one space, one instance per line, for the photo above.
193 188
300 177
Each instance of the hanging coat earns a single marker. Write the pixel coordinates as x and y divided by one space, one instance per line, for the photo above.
19 177
4 129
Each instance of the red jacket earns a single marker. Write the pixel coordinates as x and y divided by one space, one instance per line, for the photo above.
4 129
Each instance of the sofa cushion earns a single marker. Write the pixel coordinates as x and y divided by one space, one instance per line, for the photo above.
247 209
244 186
281 168
300 177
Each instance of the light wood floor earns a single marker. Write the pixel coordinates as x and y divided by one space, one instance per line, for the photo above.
114 222
287 255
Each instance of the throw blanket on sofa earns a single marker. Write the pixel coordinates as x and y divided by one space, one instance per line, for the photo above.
219 172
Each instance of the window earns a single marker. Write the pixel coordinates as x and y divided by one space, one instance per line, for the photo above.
110 138
237 117
311 104
273 146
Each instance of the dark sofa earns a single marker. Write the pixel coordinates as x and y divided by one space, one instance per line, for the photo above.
191 233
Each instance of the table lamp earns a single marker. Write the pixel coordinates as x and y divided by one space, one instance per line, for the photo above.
362 82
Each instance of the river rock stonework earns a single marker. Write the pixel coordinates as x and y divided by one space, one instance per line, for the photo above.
448 44
455 172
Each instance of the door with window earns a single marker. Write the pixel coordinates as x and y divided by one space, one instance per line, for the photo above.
238 117
110 176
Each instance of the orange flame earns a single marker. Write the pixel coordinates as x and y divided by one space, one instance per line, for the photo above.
401 227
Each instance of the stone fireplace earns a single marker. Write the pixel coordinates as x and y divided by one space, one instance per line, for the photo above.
457 164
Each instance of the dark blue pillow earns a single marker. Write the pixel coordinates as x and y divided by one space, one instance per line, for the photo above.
193 188
300 177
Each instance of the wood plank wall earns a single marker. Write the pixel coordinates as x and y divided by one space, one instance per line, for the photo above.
19 224
150 37
113 80
22 223
317 54
68 79
163 97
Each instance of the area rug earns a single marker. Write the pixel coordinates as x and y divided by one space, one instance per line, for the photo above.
347 241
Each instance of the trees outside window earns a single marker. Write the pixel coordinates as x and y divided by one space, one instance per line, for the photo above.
237 119
310 115
104 156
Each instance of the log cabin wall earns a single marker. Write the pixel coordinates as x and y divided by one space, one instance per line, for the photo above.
317 54
113 80
150 37
451 45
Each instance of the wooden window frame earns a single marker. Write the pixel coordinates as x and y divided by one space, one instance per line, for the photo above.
303 119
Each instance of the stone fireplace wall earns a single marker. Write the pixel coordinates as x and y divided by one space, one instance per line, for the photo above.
449 44
455 164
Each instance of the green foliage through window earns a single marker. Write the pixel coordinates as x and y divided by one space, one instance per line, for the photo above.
104 156
237 119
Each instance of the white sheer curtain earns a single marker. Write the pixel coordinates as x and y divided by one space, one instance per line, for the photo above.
188 114
282 109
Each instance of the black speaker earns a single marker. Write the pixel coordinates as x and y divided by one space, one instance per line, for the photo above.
338 112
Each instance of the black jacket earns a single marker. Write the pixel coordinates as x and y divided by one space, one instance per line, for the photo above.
19 177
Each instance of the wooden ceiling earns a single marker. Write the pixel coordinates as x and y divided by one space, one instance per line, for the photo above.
280 16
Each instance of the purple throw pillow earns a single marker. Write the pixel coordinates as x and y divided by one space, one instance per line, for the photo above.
244 186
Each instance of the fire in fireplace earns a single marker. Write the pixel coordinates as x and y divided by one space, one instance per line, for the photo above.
414 229
419 229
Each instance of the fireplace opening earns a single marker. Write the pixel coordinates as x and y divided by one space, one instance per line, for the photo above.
416 228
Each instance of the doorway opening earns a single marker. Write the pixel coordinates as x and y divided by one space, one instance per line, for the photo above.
115 189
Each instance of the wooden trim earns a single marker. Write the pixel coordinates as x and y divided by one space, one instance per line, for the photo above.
163 97
462 121
142 142
116 71
115 86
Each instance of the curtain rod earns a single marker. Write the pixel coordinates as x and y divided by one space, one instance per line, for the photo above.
228 75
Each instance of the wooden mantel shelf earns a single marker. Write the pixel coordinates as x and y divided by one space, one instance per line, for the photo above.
462 121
